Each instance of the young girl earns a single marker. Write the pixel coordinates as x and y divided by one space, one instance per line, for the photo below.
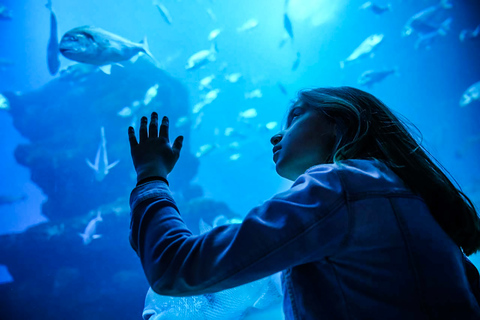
370 229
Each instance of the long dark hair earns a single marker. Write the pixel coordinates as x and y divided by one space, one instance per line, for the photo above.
368 129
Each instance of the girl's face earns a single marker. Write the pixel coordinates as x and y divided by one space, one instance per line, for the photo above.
307 140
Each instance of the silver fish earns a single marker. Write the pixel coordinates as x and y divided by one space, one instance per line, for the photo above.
201 58
101 165
471 94
365 48
96 46
52 49
91 229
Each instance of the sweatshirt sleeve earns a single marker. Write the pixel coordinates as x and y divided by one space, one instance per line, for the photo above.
305 223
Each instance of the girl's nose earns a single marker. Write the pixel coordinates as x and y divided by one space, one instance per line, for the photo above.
276 139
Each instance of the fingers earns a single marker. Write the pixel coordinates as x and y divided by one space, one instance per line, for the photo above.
153 128
164 128
143 129
131 137
177 145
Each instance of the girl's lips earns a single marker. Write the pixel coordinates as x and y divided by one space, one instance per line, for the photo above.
275 155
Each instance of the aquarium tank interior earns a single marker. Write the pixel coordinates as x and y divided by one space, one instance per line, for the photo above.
74 75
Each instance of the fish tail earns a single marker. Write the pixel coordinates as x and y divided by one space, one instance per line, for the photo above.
445 26
145 48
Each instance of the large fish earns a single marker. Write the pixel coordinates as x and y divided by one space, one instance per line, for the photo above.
52 49
101 165
429 20
96 46
365 48
231 304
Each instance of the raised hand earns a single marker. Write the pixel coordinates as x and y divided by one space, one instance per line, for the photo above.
153 155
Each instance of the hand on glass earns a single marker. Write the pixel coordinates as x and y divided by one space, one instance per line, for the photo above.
153 155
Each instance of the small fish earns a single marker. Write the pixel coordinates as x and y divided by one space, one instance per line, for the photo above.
205 82
52 49
282 88
198 121
429 20
467 34
214 34
271 125
101 166
378 10
198 106
5 14
471 94
163 12
365 48
248 114
287 24
257 93
296 63
96 46
150 94
205 149
250 24
6 200
231 132
233 77
211 14
235 156
201 58
90 231
181 122
4 104
211 95
370 77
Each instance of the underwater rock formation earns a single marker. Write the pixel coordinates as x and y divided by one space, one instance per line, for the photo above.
56 275
63 120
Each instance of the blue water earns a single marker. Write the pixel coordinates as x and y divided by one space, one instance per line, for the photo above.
427 88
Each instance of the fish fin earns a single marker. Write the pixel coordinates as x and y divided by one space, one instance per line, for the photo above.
99 215
91 165
96 236
107 69
445 26
110 166
145 48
